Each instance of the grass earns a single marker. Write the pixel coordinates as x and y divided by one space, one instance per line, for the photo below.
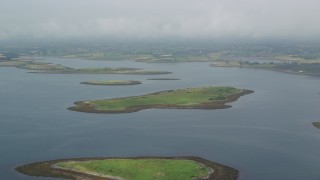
181 97
192 98
112 82
183 167
140 169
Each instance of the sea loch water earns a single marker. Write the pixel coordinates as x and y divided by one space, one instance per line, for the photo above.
266 135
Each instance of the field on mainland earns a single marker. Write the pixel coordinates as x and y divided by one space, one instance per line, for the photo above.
191 98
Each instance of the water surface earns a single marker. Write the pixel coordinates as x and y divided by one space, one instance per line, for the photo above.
266 135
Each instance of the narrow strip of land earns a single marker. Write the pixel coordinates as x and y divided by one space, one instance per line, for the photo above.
112 82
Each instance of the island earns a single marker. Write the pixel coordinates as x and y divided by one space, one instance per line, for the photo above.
133 168
112 82
49 68
190 98
105 70
316 124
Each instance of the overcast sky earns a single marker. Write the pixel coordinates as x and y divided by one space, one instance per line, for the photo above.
250 19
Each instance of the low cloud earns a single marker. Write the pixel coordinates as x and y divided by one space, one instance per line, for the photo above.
159 18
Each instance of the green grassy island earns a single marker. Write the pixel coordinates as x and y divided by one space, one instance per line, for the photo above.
191 98
48 68
138 168
113 82
316 124
32 65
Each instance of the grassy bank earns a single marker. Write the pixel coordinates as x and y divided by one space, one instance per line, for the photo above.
190 98
133 168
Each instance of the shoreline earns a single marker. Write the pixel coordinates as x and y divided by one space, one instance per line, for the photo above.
48 169
265 68
82 106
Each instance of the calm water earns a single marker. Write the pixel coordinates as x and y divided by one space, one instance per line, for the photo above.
266 135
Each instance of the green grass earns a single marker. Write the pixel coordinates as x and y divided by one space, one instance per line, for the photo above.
141 169
180 97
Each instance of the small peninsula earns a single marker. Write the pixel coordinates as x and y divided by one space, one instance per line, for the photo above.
190 98
316 124
113 82
133 168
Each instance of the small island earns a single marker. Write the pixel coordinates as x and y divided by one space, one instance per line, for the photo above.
113 82
105 70
316 124
191 98
133 168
